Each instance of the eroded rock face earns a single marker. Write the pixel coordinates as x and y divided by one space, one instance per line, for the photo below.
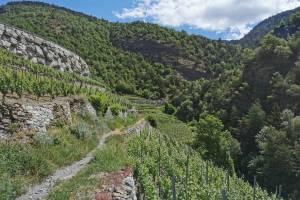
41 51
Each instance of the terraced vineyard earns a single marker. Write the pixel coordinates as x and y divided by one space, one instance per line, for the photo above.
162 155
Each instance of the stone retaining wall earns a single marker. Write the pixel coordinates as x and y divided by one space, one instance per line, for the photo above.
34 116
118 185
41 51
31 117
82 107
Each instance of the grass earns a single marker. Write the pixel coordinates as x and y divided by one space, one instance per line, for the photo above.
22 164
112 158
118 122
25 163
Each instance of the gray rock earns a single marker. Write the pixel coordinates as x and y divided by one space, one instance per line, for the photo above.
5 43
39 51
11 32
33 47
2 27
34 60
13 41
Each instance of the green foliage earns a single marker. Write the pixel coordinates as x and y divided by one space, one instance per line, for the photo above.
122 56
214 141
152 120
90 38
202 184
185 111
100 102
279 151
22 164
12 80
44 139
109 48
81 130
124 88
169 108
111 158
10 189
116 108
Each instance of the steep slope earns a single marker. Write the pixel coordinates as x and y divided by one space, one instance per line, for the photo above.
192 56
252 39
88 37
119 53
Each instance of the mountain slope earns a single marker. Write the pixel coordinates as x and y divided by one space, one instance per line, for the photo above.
252 39
116 52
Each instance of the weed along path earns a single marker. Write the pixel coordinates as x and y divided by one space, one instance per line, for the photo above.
43 189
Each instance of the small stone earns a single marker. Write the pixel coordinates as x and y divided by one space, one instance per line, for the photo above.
34 60
5 43
13 41
2 27
39 51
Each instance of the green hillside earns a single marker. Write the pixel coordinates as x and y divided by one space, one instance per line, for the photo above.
236 109
111 52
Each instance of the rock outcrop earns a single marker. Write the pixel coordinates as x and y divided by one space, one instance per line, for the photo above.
41 51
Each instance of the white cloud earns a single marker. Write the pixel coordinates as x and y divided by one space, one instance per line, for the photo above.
234 17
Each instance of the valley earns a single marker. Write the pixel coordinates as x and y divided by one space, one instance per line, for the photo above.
92 109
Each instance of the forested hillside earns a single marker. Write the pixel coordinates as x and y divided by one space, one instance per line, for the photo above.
114 50
259 106
239 107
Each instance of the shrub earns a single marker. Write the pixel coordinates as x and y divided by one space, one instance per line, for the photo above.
152 121
13 128
44 139
100 102
169 109
81 130
116 108
124 88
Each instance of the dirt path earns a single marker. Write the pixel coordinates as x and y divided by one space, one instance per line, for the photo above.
43 189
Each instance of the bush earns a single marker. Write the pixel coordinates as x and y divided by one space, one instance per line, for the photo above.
81 130
44 139
124 88
116 108
169 109
100 102
152 121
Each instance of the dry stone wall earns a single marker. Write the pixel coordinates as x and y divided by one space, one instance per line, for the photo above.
34 116
119 185
41 51
82 107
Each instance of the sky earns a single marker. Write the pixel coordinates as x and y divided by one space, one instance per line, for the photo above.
225 19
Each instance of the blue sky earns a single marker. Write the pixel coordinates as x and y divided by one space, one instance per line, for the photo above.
226 19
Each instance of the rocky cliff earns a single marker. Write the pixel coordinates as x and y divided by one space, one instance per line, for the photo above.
41 51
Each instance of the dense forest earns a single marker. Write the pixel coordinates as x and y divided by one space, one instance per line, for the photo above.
241 104
259 106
